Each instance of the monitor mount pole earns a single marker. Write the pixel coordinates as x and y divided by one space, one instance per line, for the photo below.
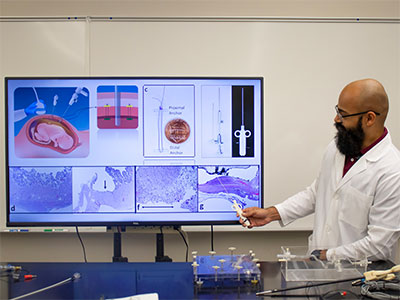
160 248
117 246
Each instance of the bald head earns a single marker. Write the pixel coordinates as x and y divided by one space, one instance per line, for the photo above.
367 94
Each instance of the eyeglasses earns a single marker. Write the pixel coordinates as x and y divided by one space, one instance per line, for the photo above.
341 117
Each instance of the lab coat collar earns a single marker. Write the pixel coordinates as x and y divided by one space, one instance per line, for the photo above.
372 155
379 149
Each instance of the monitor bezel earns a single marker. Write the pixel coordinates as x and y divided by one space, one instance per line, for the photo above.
124 223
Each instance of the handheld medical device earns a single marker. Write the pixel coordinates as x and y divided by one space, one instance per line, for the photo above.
40 109
239 211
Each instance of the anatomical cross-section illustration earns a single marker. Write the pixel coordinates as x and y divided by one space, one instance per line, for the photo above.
117 106
51 122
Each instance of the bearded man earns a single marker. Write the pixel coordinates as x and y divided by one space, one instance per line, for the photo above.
356 197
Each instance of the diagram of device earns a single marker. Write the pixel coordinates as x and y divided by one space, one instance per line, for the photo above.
117 107
216 120
243 121
169 123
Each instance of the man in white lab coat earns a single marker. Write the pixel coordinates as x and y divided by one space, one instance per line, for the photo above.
356 197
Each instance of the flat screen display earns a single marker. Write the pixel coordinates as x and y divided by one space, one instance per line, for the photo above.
131 150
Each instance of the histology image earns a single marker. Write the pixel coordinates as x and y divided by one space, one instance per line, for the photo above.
103 189
166 189
220 185
41 190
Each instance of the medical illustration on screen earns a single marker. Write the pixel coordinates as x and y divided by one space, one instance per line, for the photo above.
131 150
117 107
51 122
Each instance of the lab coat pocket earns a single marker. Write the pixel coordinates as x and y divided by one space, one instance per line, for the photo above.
355 207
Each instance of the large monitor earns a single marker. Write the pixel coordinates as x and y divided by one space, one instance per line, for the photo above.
132 150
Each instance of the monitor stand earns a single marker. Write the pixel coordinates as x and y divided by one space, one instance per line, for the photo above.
160 249
117 248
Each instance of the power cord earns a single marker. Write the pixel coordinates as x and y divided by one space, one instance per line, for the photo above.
376 290
212 237
185 241
310 288
342 293
83 246
334 294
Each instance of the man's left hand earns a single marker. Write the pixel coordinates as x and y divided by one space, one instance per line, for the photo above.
322 255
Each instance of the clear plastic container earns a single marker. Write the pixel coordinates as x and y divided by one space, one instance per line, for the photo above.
298 265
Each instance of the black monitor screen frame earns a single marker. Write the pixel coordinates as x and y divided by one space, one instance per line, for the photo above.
197 140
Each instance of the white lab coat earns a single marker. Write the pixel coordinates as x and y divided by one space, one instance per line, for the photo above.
358 215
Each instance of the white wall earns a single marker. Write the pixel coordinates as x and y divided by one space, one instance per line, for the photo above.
140 247
304 64
188 8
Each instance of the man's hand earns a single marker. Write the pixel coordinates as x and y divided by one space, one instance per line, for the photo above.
259 216
319 254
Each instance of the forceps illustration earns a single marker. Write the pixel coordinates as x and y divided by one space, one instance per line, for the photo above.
243 133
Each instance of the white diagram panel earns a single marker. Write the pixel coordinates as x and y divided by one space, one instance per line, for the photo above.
216 119
169 122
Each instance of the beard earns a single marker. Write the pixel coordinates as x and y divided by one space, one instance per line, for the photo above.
349 141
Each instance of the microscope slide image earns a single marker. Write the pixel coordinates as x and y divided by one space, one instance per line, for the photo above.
103 189
117 107
220 186
243 121
216 121
51 122
41 190
166 189
168 124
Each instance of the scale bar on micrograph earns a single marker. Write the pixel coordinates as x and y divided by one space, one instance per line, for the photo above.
166 206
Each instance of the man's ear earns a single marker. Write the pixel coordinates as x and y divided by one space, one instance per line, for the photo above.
370 118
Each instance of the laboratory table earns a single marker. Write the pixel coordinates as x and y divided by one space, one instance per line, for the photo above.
171 280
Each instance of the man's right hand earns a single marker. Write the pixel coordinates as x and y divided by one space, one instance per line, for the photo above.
260 216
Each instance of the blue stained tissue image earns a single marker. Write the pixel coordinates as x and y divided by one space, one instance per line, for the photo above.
40 190
103 189
166 189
